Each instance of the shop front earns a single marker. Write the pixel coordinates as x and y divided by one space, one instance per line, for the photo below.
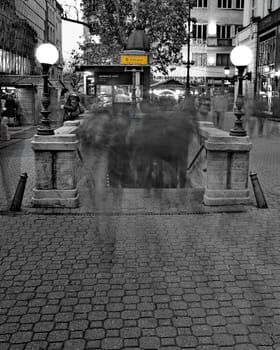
115 84
27 91
268 61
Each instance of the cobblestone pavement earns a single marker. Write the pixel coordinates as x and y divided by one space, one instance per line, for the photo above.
140 282
136 279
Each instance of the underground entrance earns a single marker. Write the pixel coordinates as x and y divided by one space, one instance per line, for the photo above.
149 150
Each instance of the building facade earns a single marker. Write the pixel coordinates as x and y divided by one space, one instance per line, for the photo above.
212 40
23 26
261 32
45 18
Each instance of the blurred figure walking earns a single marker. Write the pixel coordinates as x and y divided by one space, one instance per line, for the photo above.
220 106
10 110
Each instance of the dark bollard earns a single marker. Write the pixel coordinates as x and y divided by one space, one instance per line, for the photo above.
259 195
17 200
80 155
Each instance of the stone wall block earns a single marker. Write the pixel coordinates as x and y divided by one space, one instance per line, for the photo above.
65 164
227 167
216 170
239 171
56 170
43 170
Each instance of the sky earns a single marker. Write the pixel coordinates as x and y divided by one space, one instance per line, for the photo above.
71 32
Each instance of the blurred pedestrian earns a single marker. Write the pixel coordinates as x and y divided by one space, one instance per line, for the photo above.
10 110
19 112
220 106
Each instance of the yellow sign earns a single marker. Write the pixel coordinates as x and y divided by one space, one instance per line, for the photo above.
134 59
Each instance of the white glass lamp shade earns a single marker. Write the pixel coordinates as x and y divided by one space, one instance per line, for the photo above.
226 70
241 56
47 53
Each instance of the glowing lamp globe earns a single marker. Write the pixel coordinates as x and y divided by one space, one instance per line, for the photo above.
47 54
226 70
241 56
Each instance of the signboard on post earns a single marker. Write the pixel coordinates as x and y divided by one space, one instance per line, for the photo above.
134 59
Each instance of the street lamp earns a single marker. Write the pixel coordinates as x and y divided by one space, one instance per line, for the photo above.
47 54
189 62
240 56
226 71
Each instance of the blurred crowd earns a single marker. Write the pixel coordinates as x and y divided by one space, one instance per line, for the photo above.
145 146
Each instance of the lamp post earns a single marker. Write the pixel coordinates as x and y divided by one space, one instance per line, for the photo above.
226 71
47 54
240 56
189 62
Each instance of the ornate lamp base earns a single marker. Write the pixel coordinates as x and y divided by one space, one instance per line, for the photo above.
238 132
238 129
45 131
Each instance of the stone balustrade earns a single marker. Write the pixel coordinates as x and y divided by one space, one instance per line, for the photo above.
227 162
56 168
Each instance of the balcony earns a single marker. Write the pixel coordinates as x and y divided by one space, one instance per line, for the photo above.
224 42
214 41
198 42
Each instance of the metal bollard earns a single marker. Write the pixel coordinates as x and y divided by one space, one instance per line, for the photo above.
17 200
259 195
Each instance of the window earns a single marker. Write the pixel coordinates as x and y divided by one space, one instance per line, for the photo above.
240 4
201 3
223 59
200 31
225 4
253 8
200 59
223 31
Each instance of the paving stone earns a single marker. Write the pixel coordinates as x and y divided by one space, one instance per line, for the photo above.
261 339
223 339
94 334
163 313
78 325
112 343
75 344
43 326
237 329
166 332
58 336
202 330
149 342
130 332
184 341
21 337
37 345
9 328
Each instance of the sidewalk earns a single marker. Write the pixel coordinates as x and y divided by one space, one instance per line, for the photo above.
17 134
200 282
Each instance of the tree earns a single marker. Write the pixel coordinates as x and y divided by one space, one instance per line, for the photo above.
164 21
73 80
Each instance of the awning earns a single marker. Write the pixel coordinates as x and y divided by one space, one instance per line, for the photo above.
26 80
171 83
20 80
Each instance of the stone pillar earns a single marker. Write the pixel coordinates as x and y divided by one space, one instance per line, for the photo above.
227 169
55 171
